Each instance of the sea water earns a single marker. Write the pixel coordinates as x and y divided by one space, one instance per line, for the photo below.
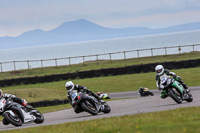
33 56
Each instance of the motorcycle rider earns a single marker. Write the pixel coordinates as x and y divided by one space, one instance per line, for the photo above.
161 71
15 99
143 91
70 86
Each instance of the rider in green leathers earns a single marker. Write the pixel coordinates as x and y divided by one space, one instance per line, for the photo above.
161 71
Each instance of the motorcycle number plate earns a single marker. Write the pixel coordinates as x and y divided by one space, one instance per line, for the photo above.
74 96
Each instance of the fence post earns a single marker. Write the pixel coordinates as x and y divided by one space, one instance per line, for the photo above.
165 51
56 62
28 64
138 53
151 52
110 56
1 67
97 57
69 61
41 63
14 65
193 47
124 54
83 60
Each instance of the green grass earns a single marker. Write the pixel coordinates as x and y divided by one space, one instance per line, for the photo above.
97 65
181 120
120 83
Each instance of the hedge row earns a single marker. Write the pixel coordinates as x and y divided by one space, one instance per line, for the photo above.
101 72
46 103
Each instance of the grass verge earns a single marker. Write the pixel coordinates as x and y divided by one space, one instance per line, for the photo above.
180 120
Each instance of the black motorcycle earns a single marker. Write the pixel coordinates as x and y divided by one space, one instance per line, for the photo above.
88 103
145 92
17 114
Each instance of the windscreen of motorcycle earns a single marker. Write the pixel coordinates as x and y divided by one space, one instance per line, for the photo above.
74 94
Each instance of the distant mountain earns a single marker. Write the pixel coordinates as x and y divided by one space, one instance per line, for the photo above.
83 30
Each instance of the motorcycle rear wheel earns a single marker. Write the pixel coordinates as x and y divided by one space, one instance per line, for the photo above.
151 93
107 108
39 118
190 99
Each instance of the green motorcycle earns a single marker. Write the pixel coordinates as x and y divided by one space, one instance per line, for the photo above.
175 90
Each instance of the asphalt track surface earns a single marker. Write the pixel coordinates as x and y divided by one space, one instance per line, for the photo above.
122 107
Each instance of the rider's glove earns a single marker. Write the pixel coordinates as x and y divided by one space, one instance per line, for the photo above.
89 91
29 106
174 76
161 87
74 104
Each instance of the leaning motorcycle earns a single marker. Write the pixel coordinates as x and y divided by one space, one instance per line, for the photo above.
145 92
17 114
175 90
88 103
103 95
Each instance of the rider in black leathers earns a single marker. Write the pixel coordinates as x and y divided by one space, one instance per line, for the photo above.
70 86
14 99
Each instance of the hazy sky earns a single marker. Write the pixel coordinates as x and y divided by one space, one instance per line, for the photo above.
18 16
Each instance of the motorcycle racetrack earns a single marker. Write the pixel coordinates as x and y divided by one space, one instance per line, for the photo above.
132 105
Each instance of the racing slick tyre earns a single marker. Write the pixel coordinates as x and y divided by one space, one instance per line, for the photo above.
175 97
190 99
39 117
89 107
15 120
106 109
5 122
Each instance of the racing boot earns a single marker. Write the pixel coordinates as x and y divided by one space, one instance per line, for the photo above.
27 106
185 87
163 94
183 84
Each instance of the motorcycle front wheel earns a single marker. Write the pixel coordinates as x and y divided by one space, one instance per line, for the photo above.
175 96
14 120
89 107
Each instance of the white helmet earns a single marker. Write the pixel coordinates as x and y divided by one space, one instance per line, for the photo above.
69 85
159 69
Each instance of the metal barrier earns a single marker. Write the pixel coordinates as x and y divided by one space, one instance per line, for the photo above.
18 65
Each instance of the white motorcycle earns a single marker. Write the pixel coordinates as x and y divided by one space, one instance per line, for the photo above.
17 114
